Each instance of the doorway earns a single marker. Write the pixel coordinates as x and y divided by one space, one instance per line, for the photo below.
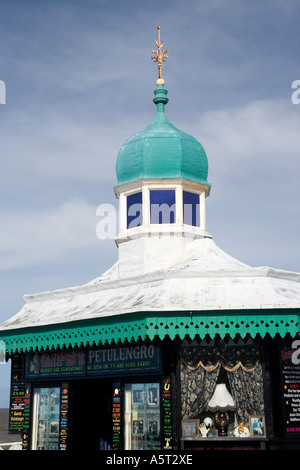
90 417
142 416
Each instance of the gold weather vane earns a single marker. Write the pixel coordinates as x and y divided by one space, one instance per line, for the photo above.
159 56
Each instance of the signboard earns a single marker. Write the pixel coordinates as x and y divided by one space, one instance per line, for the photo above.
55 364
17 395
135 359
167 414
116 416
26 424
64 405
16 417
290 380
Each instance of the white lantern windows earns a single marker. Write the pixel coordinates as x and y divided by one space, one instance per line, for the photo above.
155 206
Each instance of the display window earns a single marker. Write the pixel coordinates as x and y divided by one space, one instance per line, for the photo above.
142 416
222 391
46 415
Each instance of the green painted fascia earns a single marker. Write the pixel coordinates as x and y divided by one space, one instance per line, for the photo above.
73 334
140 326
230 323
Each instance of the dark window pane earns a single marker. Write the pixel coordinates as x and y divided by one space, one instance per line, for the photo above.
134 210
162 206
191 209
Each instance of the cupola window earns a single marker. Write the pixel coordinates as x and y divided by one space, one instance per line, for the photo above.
191 209
134 210
162 206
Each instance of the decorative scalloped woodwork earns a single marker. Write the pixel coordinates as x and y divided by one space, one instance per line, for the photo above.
133 328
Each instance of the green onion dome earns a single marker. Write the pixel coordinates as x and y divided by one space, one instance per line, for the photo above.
161 151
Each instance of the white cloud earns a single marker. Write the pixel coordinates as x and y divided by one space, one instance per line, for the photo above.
262 134
59 148
37 237
254 208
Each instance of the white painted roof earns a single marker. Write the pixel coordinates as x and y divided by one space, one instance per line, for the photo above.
206 278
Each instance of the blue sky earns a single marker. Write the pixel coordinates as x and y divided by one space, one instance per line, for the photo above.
79 82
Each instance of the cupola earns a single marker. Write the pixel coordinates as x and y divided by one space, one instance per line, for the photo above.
162 187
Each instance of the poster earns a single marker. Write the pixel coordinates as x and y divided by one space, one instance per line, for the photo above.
290 382
17 395
167 414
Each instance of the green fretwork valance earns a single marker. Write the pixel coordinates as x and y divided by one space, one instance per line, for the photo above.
133 327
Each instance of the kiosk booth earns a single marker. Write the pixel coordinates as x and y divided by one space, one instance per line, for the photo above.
178 345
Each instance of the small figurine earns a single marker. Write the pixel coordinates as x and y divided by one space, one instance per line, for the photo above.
208 422
241 431
203 429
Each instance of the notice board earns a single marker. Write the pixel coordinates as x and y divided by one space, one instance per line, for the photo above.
290 383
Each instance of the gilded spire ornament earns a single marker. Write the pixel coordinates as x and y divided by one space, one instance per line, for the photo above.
159 56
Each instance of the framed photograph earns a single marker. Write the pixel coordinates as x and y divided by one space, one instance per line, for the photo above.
54 427
153 427
190 427
153 395
257 425
138 426
137 394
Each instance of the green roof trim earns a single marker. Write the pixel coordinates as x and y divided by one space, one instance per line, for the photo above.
133 327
